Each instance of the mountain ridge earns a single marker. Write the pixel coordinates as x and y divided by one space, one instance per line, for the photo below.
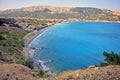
81 13
50 6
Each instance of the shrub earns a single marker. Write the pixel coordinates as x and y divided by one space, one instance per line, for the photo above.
26 62
1 37
103 64
111 59
41 74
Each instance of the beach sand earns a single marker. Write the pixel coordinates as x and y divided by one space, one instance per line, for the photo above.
27 40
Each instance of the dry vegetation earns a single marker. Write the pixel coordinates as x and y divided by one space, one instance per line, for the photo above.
15 72
11 44
92 73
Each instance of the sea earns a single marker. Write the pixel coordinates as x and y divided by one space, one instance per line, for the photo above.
76 45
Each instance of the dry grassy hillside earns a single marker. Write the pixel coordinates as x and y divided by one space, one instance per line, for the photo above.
92 73
15 72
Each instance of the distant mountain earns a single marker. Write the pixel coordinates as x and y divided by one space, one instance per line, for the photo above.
81 13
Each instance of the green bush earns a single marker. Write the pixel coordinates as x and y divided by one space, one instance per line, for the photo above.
1 37
26 62
103 64
111 59
41 74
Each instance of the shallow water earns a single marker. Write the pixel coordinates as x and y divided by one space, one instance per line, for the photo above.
75 45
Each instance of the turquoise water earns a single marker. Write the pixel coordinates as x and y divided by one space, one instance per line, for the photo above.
76 45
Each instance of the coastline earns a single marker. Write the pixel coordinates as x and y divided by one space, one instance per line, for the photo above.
28 39
28 52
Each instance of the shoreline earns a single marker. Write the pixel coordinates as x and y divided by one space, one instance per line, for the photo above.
28 52
29 38
100 21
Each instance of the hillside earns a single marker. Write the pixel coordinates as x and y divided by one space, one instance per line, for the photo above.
92 73
15 72
11 46
51 12
11 43
14 66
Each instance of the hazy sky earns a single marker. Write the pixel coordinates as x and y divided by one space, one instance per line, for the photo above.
107 4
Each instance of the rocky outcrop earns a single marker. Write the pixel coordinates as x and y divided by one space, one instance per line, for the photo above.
51 8
116 12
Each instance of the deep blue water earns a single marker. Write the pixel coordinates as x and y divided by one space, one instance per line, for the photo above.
75 45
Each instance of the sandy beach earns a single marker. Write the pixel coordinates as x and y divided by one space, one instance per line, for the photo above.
28 38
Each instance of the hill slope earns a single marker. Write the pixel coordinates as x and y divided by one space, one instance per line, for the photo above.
81 13
15 72
93 73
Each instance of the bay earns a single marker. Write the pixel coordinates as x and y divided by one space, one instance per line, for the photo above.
77 45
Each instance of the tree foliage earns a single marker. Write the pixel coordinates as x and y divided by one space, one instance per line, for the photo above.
111 59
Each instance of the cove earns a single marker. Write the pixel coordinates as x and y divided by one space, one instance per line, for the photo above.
77 45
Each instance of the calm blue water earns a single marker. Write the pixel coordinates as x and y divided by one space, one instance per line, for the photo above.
75 45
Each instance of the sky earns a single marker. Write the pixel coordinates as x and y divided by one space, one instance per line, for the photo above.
103 4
